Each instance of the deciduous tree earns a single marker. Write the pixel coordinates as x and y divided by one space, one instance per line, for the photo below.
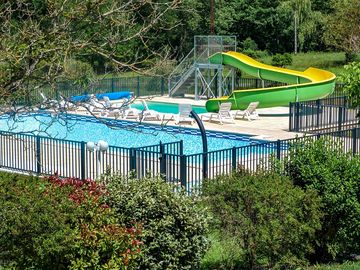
38 38
343 31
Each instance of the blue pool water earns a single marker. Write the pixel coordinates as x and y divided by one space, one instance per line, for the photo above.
122 133
166 107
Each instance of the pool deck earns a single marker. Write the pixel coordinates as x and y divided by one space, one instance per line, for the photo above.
273 123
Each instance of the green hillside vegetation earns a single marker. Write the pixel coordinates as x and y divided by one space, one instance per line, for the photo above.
331 61
344 266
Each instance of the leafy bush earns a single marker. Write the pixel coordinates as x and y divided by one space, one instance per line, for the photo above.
249 44
59 224
255 54
79 72
323 166
224 252
351 80
350 57
173 225
272 221
281 60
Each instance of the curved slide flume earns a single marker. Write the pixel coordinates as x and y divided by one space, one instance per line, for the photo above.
310 84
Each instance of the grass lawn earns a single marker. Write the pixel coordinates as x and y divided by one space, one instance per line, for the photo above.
331 61
225 254
344 266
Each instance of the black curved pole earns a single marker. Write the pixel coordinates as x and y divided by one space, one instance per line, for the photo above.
204 142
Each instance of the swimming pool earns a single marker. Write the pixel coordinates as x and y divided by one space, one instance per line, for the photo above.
122 133
166 107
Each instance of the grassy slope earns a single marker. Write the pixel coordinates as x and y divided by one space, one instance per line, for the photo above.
225 254
344 266
331 61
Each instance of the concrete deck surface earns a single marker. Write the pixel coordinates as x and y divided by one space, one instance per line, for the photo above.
273 123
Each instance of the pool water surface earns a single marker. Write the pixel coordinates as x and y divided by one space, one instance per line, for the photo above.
166 107
119 133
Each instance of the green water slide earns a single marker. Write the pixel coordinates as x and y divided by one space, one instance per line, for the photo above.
310 84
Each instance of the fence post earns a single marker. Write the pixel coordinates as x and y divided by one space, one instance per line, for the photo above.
233 158
278 149
162 86
132 158
291 117
354 146
181 147
38 155
183 171
317 112
82 161
297 116
112 84
138 87
162 158
340 117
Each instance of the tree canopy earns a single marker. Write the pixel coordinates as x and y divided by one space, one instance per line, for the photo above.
39 37
44 41
343 31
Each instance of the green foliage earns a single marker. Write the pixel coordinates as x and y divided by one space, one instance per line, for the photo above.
272 221
343 27
224 252
35 223
281 60
249 44
173 225
335 176
336 266
350 57
351 80
60 224
255 54
79 72
331 61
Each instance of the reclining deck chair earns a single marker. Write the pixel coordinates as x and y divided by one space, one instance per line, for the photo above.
224 114
184 114
147 113
250 112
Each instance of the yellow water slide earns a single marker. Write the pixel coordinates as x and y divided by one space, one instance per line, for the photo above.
313 83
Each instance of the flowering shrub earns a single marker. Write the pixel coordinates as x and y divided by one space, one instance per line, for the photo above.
80 190
174 227
55 224
270 222
323 166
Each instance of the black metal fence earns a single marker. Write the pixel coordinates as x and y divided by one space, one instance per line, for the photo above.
322 115
43 155
140 86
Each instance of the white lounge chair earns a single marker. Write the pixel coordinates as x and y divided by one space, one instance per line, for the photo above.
250 113
114 105
224 114
184 114
130 113
149 114
63 104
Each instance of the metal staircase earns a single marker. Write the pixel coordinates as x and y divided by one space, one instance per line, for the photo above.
180 79
195 72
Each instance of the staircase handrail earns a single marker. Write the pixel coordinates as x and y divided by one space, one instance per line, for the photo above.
176 76
182 79
183 62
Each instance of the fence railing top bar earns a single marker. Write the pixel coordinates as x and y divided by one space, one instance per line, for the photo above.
38 136
346 102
